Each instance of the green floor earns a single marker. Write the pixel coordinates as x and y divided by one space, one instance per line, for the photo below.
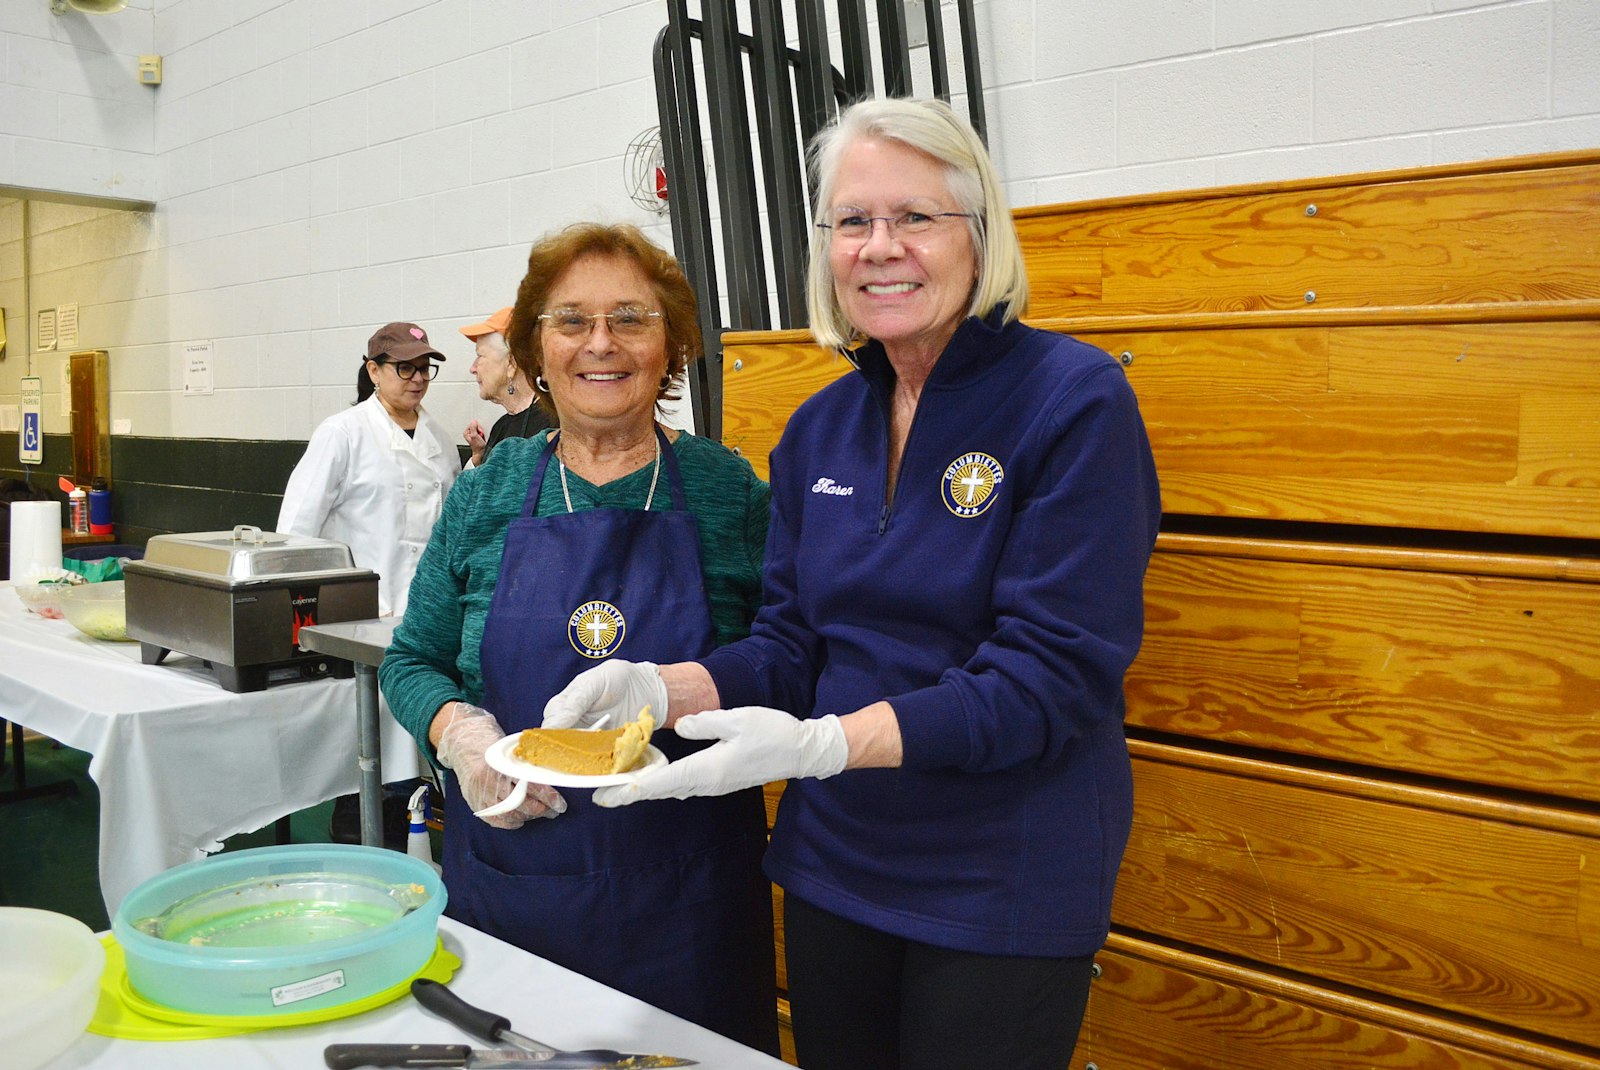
50 843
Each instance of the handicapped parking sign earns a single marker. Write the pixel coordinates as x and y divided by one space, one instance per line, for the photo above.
30 443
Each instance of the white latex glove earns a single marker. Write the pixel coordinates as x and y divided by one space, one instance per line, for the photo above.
614 689
470 731
757 745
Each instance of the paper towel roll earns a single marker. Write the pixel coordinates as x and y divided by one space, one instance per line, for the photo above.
35 538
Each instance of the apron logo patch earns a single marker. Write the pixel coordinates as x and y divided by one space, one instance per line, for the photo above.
969 483
595 629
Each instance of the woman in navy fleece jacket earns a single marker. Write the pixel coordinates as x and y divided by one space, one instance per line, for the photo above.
953 592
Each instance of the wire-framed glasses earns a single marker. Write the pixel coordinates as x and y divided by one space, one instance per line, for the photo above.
629 321
407 370
859 227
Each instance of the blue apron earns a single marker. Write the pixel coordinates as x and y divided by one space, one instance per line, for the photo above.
663 900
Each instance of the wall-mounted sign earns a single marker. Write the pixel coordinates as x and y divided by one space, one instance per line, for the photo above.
197 368
30 443
67 326
47 329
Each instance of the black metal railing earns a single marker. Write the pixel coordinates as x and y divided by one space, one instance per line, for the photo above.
765 98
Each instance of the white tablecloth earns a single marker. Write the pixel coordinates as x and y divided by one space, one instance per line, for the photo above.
181 763
543 1001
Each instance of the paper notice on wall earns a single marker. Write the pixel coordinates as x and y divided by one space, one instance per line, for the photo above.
47 329
67 326
197 368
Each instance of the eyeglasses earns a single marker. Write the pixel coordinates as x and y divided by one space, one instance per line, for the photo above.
859 227
628 321
407 370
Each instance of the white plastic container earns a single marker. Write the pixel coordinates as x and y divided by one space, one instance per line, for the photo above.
78 510
50 970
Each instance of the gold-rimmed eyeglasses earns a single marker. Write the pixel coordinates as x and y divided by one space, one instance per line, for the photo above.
906 224
407 370
629 321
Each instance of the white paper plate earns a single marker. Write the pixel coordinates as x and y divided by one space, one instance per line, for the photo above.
501 759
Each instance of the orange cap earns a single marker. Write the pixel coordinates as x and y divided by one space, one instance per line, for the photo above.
499 323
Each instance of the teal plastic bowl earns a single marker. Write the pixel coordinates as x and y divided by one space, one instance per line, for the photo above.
279 930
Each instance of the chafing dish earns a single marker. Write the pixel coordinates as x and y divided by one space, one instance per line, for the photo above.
238 599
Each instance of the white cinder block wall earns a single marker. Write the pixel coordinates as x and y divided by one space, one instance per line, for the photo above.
73 115
322 166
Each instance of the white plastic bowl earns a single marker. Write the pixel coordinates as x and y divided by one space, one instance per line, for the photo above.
50 973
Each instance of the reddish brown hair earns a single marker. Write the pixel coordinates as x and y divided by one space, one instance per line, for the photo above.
557 252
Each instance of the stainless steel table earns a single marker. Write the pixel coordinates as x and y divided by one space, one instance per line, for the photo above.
362 642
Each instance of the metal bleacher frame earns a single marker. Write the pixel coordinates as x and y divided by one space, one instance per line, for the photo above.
796 91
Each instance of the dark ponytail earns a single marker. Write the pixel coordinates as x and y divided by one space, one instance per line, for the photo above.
364 386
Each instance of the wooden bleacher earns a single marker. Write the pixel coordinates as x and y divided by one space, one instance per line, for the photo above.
1365 722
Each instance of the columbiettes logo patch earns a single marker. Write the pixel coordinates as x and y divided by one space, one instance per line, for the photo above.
969 483
595 629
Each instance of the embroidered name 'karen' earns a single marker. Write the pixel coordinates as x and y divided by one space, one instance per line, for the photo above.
828 486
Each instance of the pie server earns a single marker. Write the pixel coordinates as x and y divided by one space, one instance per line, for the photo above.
348 1056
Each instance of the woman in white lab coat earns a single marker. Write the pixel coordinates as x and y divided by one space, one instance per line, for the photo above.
375 475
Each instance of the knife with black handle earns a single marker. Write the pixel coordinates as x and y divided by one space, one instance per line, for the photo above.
487 1025
407 1056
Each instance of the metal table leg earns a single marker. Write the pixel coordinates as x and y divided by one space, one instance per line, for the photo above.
369 756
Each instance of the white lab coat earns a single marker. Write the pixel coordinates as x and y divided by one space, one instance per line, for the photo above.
366 483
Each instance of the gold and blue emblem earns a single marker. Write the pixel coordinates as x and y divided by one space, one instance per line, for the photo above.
969 483
596 629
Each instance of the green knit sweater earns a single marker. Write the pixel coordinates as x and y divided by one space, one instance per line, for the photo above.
434 656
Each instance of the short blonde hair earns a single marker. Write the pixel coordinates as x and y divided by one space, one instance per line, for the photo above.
933 128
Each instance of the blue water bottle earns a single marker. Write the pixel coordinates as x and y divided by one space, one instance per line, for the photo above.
99 507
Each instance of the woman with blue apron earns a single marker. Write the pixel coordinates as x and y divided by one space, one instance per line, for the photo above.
666 902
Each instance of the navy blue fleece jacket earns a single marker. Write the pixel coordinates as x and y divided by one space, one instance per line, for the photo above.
996 603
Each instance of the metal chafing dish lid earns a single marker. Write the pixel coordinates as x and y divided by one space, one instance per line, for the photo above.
247 552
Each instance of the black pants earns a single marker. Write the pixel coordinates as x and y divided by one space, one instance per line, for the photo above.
864 1000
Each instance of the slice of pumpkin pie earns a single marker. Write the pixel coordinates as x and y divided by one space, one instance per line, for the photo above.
586 752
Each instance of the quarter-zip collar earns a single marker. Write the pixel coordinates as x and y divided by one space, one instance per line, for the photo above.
973 351
979 345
